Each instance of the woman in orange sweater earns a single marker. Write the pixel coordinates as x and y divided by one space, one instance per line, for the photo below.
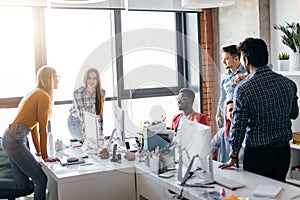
32 116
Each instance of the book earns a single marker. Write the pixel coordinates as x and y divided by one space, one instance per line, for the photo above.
270 191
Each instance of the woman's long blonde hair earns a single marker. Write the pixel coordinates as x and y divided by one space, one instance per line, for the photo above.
44 80
99 95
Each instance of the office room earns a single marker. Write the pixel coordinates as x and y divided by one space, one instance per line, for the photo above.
145 52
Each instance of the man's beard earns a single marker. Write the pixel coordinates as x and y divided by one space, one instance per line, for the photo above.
229 67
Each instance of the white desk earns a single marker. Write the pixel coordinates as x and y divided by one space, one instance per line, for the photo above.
150 186
101 180
133 180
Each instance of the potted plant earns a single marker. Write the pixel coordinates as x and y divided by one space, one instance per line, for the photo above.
283 61
291 38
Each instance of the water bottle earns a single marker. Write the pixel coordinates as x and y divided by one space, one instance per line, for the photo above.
50 141
50 136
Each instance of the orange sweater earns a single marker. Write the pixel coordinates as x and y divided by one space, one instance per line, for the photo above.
33 113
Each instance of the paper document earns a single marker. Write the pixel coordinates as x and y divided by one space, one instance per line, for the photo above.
270 191
229 183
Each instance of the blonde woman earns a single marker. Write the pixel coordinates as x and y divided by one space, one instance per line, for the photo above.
33 113
90 98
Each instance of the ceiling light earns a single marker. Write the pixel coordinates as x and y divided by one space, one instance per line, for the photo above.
76 1
198 4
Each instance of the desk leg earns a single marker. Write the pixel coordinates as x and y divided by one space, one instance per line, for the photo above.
52 188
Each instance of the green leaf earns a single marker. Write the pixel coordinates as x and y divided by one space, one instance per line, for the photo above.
290 36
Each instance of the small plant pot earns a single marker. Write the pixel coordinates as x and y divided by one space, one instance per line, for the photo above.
295 62
283 65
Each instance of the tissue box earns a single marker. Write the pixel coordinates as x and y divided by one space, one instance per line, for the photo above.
296 173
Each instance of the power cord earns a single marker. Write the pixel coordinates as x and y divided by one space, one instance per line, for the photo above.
180 194
177 196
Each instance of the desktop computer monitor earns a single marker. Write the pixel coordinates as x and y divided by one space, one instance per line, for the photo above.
119 131
196 146
156 136
91 131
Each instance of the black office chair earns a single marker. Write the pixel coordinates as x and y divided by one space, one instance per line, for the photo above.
13 194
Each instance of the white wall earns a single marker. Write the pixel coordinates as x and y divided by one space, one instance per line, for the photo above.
237 22
241 20
281 12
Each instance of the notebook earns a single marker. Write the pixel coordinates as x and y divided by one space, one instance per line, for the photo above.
229 183
270 191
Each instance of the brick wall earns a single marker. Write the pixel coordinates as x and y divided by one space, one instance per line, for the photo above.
210 68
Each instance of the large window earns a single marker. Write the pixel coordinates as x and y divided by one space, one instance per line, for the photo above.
147 47
150 67
77 40
72 35
140 60
17 51
17 67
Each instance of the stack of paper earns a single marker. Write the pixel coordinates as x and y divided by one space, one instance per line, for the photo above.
270 191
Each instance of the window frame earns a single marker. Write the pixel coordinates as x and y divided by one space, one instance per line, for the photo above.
150 92
182 63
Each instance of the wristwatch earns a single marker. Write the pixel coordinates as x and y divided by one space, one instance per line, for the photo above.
233 156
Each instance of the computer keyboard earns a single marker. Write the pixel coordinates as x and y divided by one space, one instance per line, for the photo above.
229 183
75 152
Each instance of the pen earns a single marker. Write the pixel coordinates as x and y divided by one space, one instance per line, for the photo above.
84 164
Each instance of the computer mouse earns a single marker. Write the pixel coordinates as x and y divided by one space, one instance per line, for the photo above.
74 140
72 159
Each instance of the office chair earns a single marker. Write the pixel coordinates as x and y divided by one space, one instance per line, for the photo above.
13 194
